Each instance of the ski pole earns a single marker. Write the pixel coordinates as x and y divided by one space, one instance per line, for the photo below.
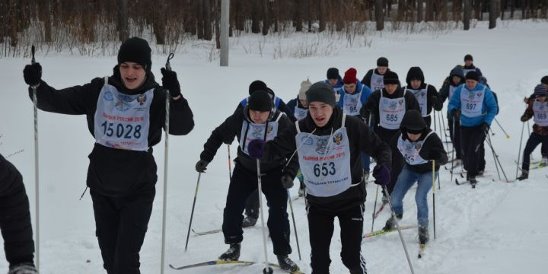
166 151
507 136
229 163
267 268
36 167
454 148
192 211
374 208
434 195
497 160
398 228
294 224
519 151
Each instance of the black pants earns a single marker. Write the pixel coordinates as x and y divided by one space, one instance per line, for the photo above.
472 139
320 228
534 140
454 133
386 135
242 184
252 205
16 226
121 225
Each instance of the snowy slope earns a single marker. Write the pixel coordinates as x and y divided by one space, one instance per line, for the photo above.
496 228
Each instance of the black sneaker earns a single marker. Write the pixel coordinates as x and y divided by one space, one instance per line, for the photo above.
524 175
24 268
249 221
232 254
287 264
423 235
473 182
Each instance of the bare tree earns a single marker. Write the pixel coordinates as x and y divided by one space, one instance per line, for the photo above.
122 18
379 14
493 12
466 15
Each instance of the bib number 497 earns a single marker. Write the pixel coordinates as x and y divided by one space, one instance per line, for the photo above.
326 168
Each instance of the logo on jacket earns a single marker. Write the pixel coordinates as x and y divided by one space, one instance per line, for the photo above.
107 96
257 132
123 102
337 139
321 146
141 99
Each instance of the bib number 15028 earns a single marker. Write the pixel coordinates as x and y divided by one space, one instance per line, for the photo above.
327 168
121 131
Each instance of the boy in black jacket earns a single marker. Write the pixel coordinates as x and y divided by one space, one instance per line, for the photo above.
259 120
417 145
15 220
328 145
126 114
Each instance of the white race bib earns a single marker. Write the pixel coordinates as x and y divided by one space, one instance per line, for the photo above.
391 112
422 98
299 113
252 131
377 81
410 150
471 102
352 103
540 111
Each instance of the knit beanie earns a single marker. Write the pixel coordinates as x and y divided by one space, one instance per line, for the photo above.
468 57
305 85
472 75
135 50
256 85
321 92
350 76
382 62
544 80
391 77
540 90
413 122
457 71
260 101
333 73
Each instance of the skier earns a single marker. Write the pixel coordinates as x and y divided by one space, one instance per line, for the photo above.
469 66
530 99
416 144
334 78
425 94
15 221
353 95
385 109
252 203
259 120
476 106
299 106
455 79
538 109
125 114
328 144
373 79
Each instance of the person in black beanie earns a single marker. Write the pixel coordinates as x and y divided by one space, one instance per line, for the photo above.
328 145
126 114
469 66
385 109
373 79
426 95
15 221
334 79
529 100
259 120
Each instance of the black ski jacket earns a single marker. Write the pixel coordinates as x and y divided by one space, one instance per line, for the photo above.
433 143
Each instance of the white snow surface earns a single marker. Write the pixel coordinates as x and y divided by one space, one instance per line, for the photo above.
498 228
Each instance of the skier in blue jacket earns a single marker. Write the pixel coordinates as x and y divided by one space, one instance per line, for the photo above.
475 105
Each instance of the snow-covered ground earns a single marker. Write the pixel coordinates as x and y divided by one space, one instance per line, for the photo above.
497 228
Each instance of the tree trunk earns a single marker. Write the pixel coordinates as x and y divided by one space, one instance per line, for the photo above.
200 19
493 4
321 14
379 14
466 15
429 14
255 20
444 10
208 34
266 17
122 20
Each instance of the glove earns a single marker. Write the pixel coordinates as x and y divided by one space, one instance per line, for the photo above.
381 174
201 166
32 74
485 127
256 148
455 113
523 118
287 181
434 154
170 82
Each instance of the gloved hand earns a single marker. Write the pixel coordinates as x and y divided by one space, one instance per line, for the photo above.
456 113
32 74
434 154
287 181
381 174
170 82
523 118
255 148
485 127
201 165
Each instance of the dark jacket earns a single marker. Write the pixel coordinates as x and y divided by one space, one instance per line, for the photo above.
372 105
528 114
116 172
361 140
432 145
367 78
232 127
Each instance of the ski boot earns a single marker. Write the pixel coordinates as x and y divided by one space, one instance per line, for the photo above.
232 254
543 162
24 268
287 264
473 181
423 235
524 175
391 223
249 221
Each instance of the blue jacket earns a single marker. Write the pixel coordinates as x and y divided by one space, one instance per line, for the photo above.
366 91
489 106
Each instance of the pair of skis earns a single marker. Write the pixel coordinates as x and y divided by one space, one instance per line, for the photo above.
223 262
380 232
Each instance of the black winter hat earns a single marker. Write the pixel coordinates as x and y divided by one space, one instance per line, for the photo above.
414 73
540 90
413 122
135 50
333 73
457 71
391 77
260 100
468 57
472 75
321 92
544 80
382 62
257 85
